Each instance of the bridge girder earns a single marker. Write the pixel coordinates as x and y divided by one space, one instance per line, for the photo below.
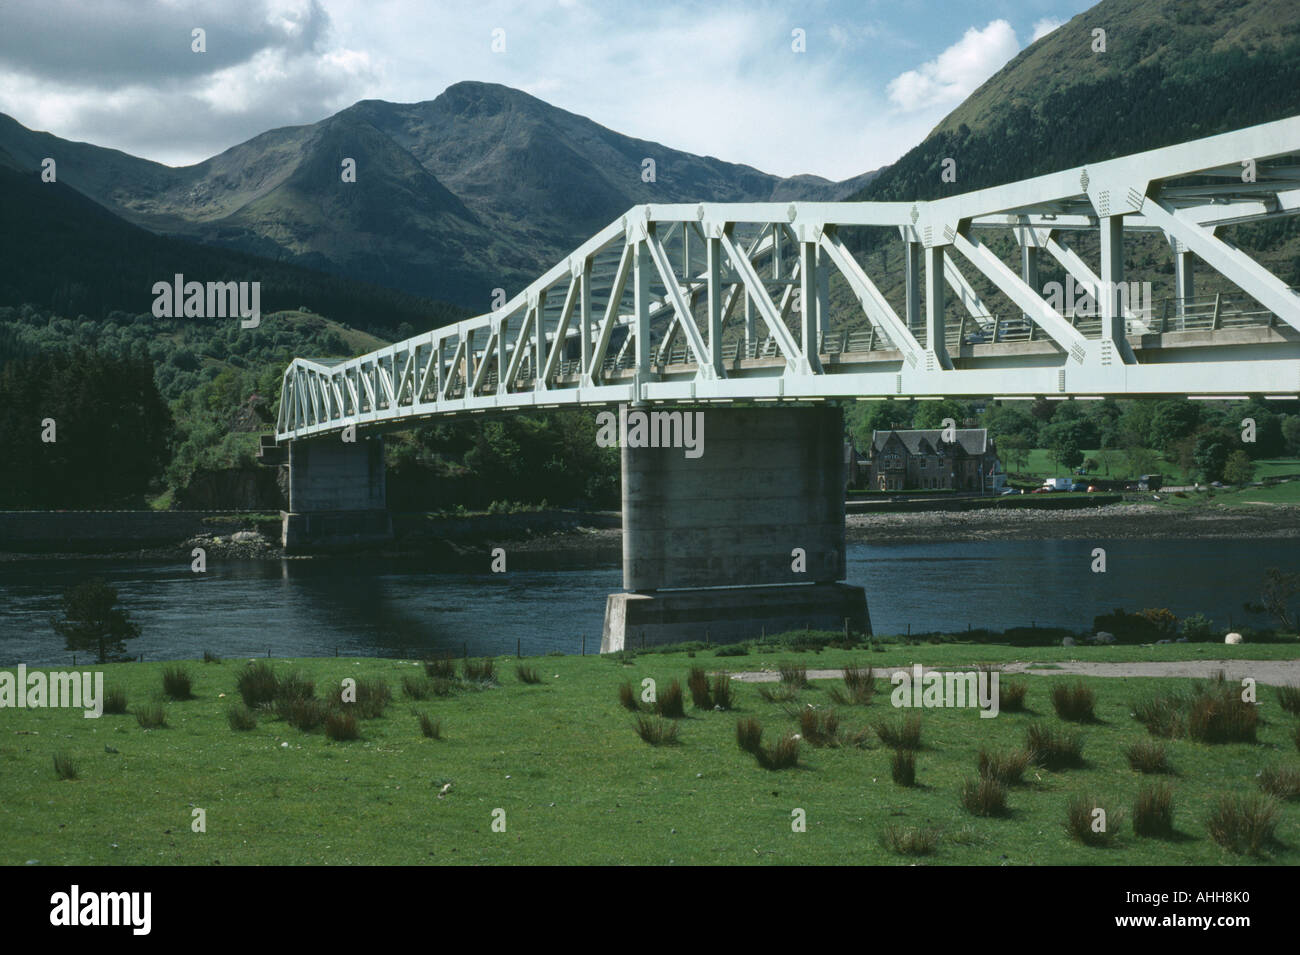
670 274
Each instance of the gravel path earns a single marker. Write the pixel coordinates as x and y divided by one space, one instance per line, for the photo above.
1270 672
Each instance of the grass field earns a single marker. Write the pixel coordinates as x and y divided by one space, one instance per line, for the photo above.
1039 465
577 784
1288 492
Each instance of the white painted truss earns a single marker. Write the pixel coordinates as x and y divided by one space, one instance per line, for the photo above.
705 302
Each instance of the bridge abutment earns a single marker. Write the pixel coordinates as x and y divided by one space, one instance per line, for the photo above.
337 494
746 537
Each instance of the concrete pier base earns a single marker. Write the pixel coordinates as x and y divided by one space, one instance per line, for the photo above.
729 615
337 494
745 536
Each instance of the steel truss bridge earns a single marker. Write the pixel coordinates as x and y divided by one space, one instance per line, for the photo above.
731 302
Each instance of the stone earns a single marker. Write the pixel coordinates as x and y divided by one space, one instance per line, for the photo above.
1181 640
1233 638
1159 642
1069 642
1104 637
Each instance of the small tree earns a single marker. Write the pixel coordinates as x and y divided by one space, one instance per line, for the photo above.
1239 468
90 621
1275 596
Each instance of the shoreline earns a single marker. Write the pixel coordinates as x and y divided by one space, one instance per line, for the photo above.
1116 521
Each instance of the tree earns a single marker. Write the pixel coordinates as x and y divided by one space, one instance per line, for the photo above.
1172 419
1291 433
1064 442
1275 596
1142 461
1014 451
1239 468
1212 455
90 621
933 413
868 416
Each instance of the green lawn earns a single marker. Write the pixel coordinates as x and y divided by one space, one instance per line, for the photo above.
1287 492
576 782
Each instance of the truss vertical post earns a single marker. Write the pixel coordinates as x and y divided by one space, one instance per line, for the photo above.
935 333
584 324
641 306
1184 284
1112 275
713 263
912 276
823 298
808 308
1029 269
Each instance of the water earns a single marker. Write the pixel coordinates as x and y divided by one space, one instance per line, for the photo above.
398 608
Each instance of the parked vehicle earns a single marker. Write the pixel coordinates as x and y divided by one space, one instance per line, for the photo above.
1043 490
1079 487
1058 484
1151 482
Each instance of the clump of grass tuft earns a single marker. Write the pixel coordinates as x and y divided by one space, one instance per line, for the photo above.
722 691
1153 812
1146 756
909 840
1011 696
1295 737
1288 697
906 735
114 700
1212 713
982 796
431 728
783 754
527 675
656 731
241 717
1084 824
257 684
151 716
1007 768
903 767
177 684
65 767
210 657
1280 782
303 713
698 683
341 725
1074 702
781 693
819 727
859 686
1052 749
479 671
1243 824
627 697
670 702
416 687
749 734
373 697
794 674
296 686
441 667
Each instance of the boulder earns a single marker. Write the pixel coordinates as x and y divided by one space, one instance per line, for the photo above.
1104 637
1181 640
1233 638
1069 642
1158 642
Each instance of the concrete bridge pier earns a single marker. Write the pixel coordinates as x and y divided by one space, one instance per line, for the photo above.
746 537
337 494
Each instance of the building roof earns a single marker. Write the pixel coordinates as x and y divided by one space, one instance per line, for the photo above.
929 440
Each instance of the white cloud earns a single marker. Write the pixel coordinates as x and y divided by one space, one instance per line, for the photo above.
956 72
1044 27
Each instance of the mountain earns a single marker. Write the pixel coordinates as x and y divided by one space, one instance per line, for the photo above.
483 187
1172 70
68 253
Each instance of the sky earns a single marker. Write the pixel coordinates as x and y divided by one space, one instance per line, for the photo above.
724 79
